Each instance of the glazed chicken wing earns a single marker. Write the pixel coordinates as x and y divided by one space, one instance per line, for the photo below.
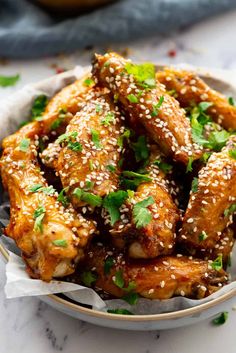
212 205
157 236
52 239
88 161
190 89
160 278
148 102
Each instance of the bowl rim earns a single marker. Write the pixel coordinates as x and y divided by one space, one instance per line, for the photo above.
134 318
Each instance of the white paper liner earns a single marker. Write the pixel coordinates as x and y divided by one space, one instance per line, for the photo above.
14 110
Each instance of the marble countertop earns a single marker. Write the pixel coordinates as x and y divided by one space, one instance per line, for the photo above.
28 325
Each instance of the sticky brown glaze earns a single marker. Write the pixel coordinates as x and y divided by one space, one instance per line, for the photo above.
157 237
94 168
44 259
206 215
189 89
160 278
169 128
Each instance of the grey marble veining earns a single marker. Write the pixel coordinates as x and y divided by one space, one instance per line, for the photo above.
27 325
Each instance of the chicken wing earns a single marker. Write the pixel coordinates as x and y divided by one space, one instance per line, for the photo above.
158 112
88 162
190 89
154 236
160 278
212 203
52 239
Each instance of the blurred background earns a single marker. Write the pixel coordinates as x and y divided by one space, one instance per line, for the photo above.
39 38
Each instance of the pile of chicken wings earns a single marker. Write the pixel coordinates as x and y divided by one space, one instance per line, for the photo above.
125 181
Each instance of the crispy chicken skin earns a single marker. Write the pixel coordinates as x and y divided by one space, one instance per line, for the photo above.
169 127
209 210
53 243
191 89
93 167
160 278
58 113
157 237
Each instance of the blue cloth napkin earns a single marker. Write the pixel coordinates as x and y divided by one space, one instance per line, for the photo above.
27 31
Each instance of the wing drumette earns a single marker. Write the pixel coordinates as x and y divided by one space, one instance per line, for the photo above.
191 89
160 278
147 102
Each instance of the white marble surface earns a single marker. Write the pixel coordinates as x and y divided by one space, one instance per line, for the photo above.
30 326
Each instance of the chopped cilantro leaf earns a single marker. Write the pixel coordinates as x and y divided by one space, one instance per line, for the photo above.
144 74
126 135
132 98
131 286
108 264
89 184
189 165
63 198
217 264
221 319
66 137
157 106
217 140
140 149
111 168
39 214
232 153
24 144
142 216
75 146
112 202
194 187
119 311
109 118
203 106
47 190
89 82
91 199
204 158
88 278
62 243
96 138
6 81
131 298
164 167
202 236
230 210
38 107
231 101
61 116
131 179
118 279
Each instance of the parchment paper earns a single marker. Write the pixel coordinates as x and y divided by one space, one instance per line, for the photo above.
14 110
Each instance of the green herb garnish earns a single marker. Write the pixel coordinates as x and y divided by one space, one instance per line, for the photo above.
142 216
230 210
194 187
132 98
217 264
6 81
144 74
126 135
119 311
62 243
131 298
91 199
89 82
189 165
157 106
132 180
163 166
108 264
232 153
140 149
111 168
39 107
109 118
202 236
221 319
118 279
47 190
61 116
39 214
24 144
98 108
231 101
96 138
112 202
63 198
88 278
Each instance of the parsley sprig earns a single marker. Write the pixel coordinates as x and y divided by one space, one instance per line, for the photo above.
112 203
91 199
142 216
